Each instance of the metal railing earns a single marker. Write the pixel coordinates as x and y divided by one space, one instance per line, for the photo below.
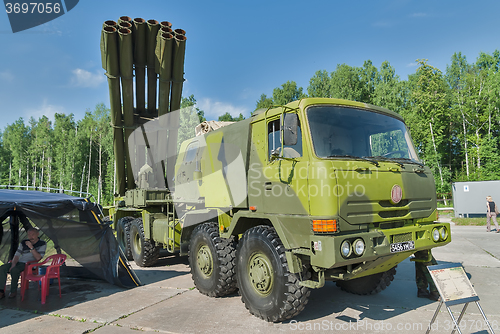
46 189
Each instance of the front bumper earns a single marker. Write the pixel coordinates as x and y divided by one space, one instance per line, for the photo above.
377 256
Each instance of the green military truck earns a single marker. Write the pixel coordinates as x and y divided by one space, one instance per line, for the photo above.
277 204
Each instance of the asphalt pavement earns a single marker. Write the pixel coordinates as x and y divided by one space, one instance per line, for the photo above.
169 303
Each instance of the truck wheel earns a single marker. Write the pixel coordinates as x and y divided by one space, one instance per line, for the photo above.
144 252
123 235
368 285
267 287
212 261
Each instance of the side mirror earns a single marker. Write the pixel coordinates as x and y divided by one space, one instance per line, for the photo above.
290 124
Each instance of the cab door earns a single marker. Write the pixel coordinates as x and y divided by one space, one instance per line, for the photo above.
285 173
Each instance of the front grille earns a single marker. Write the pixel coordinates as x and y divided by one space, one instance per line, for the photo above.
388 204
393 214
361 211
402 237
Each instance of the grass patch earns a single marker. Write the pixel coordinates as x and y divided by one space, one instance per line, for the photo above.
449 204
469 221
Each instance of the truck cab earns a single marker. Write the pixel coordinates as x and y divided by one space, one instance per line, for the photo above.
339 181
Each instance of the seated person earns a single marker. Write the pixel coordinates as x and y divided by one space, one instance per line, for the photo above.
31 249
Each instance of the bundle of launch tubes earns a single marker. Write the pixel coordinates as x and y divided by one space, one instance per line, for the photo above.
130 49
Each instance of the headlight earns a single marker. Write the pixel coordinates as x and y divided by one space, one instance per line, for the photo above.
359 247
435 235
345 248
444 233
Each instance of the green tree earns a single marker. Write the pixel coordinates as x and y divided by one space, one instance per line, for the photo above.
456 74
189 119
264 102
5 159
369 78
40 149
191 101
430 124
95 138
388 91
477 115
228 118
287 93
16 139
64 150
346 83
320 85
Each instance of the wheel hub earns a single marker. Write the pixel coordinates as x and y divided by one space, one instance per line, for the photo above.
204 261
137 243
261 273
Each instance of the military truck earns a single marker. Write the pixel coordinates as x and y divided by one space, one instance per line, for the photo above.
316 190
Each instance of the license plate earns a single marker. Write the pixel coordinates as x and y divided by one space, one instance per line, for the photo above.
402 246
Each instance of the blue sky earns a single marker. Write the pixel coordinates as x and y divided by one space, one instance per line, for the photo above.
237 50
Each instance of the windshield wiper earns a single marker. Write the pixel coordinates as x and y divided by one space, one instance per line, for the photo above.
410 161
381 158
354 157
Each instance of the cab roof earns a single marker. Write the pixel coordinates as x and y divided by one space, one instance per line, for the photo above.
306 102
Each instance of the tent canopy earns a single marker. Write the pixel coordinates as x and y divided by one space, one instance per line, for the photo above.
73 225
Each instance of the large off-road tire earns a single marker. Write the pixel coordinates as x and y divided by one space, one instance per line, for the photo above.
144 252
123 236
368 285
267 287
212 261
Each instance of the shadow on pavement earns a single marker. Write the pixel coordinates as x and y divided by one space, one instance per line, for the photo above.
77 290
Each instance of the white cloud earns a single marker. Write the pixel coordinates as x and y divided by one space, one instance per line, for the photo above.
83 78
45 109
214 109
6 76
414 64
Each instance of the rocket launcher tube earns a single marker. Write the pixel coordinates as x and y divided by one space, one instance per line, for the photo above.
180 32
125 19
109 23
166 30
140 56
153 27
178 71
166 24
179 48
110 61
164 55
126 70
125 25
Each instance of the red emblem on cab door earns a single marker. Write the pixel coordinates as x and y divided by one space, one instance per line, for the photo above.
396 194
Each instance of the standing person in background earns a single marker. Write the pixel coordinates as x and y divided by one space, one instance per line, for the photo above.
491 212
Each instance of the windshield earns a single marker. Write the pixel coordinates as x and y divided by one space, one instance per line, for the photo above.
350 132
